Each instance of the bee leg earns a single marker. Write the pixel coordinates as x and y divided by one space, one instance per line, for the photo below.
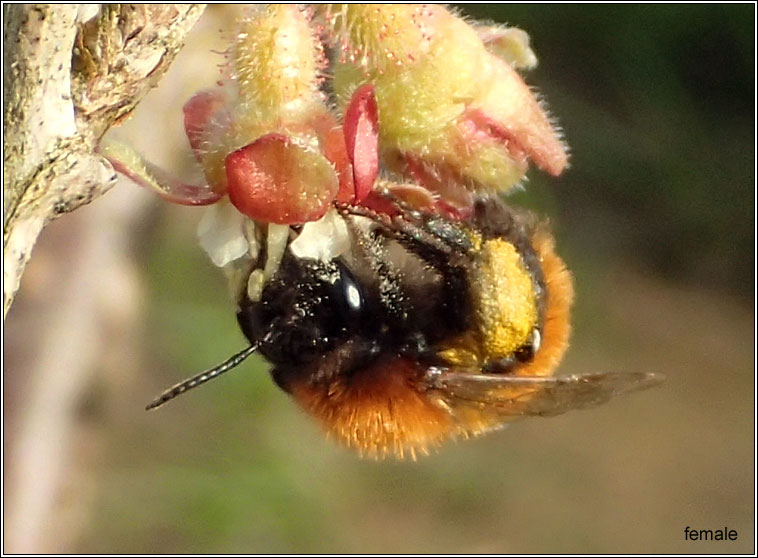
415 238
438 241
451 261
445 229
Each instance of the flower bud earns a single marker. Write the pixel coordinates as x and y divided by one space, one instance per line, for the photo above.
274 143
454 116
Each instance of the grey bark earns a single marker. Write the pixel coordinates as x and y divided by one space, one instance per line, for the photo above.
66 82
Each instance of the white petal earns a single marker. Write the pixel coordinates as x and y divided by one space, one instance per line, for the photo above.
324 240
221 233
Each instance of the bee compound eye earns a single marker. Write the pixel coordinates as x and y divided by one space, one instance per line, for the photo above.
347 296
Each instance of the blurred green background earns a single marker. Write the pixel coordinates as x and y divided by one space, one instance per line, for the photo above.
655 218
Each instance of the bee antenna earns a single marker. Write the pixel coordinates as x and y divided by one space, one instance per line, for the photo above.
201 378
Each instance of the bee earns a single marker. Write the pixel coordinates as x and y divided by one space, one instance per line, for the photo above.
400 329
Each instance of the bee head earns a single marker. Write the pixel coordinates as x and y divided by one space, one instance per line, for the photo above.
305 310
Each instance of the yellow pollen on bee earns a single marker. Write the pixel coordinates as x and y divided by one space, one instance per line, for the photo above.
504 299
504 302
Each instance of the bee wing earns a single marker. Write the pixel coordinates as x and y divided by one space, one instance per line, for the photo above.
505 398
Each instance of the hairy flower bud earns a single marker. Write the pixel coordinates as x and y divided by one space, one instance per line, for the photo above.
454 116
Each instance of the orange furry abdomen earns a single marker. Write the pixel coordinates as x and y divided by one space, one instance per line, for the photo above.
556 326
377 410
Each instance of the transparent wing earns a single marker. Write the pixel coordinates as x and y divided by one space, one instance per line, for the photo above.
506 398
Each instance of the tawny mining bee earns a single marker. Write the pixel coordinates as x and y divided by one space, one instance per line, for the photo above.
357 160
398 332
